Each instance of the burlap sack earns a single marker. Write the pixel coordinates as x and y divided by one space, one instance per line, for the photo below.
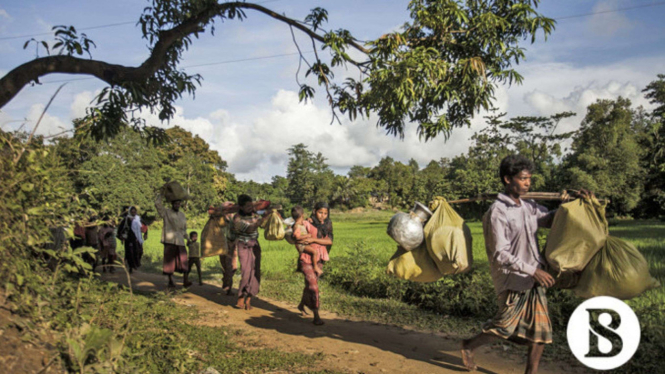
578 232
173 191
618 270
448 239
415 265
213 237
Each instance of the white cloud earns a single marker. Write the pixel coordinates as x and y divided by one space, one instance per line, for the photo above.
49 125
606 22
4 15
254 140
81 103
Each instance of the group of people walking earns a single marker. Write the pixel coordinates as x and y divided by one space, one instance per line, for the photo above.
239 237
518 268
131 231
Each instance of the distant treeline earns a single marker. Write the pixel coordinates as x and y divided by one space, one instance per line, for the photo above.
618 151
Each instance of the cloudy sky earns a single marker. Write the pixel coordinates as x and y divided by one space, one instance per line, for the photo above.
247 106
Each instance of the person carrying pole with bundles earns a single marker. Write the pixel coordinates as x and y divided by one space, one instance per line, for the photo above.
518 269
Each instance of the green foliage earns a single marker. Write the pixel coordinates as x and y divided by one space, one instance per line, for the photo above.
443 65
437 70
309 177
125 171
653 141
606 155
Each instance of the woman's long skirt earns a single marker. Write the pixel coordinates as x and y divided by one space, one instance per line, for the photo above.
249 253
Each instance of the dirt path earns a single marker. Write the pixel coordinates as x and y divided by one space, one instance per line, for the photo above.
349 346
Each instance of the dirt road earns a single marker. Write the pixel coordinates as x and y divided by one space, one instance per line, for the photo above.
349 345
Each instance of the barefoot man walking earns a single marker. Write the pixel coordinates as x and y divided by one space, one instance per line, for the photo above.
517 267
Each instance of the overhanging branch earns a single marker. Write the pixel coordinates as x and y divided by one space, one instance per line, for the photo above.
115 74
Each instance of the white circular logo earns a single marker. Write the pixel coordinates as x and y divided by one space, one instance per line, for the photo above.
603 333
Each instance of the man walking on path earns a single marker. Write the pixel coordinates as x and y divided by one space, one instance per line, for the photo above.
174 235
517 267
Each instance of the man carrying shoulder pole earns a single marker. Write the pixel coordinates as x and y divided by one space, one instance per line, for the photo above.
517 267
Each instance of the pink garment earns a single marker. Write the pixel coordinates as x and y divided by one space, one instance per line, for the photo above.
323 252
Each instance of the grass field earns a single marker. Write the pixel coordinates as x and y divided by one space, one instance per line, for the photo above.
355 283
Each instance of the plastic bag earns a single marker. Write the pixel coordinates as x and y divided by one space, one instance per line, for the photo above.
618 270
274 227
415 265
448 239
578 232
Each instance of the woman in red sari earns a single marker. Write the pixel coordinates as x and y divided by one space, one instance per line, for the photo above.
320 231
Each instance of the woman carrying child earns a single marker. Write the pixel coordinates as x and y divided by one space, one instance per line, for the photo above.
319 230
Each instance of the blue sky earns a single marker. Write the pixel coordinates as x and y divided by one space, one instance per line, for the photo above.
249 111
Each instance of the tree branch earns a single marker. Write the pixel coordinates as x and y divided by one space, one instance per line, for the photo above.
114 74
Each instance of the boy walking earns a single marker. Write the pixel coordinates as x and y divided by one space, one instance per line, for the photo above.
194 248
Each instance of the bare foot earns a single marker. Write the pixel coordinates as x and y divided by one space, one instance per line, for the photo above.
318 271
318 321
248 306
240 304
467 358
302 310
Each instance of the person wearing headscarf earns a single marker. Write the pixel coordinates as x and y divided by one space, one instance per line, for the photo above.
320 230
130 233
245 232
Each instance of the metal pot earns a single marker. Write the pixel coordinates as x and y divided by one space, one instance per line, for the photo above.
407 228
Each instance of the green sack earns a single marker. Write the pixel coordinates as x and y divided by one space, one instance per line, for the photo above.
274 227
415 265
618 270
448 239
578 232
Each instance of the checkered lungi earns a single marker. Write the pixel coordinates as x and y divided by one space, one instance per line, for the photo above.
522 317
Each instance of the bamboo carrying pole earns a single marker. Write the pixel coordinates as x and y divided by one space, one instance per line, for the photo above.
560 196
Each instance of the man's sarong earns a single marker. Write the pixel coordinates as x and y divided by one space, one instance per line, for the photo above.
522 317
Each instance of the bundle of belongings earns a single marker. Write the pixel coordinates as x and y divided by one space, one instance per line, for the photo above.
446 248
274 227
214 233
174 191
586 259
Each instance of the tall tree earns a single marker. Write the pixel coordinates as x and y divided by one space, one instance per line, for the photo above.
606 155
437 70
536 138
653 199
309 176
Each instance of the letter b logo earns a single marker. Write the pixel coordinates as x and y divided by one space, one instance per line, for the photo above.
603 333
